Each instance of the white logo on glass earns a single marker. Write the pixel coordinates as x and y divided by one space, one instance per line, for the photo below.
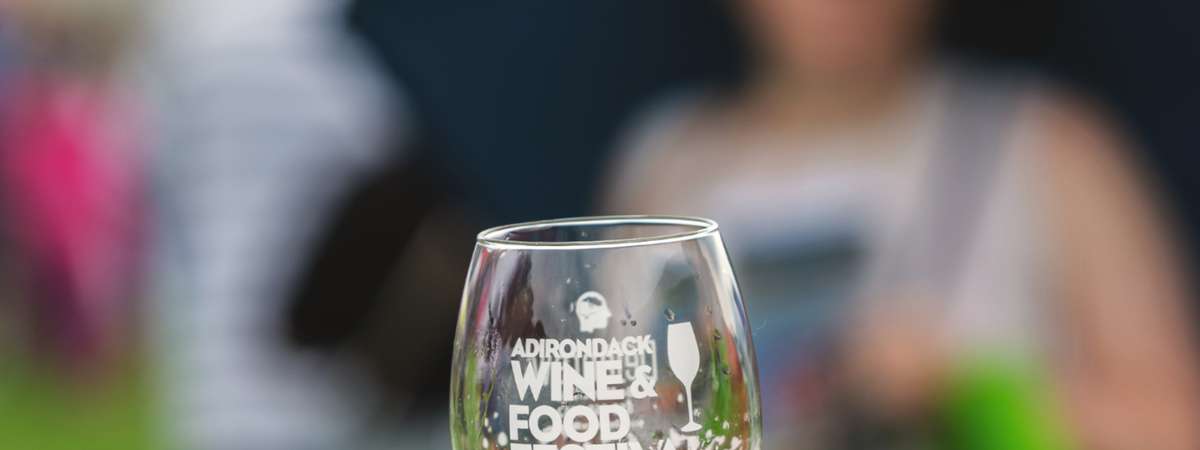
592 310
683 355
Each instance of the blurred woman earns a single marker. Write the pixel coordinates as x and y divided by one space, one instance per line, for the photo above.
896 219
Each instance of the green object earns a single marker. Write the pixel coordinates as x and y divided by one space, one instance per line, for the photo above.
1000 403
43 410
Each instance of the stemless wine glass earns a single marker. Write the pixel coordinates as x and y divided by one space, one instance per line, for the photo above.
603 333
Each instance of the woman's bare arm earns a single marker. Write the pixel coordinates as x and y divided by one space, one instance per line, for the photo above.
1130 374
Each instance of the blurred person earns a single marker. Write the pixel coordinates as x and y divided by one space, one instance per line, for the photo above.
267 113
71 179
914 234
73 212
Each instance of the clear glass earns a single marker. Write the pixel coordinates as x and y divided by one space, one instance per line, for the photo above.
604 333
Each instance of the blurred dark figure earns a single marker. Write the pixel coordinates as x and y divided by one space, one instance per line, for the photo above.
930 243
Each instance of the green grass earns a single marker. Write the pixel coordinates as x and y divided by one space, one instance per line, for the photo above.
41 409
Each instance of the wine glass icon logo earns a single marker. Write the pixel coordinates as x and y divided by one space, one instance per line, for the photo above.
683 354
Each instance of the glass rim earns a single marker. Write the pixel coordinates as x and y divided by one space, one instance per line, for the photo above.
701 228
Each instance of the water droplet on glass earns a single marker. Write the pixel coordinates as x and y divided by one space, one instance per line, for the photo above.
717 334
624 322
725 370
708 309
633 322
502 439
658 435
670 314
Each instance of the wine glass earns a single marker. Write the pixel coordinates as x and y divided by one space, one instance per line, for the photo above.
684 357
613 333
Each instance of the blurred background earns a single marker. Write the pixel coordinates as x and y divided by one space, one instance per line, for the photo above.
245 225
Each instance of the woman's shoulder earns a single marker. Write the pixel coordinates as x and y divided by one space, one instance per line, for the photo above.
1075 148
666 126
975 86
654 139
1059 118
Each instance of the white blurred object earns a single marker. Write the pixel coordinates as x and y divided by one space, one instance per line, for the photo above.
268 113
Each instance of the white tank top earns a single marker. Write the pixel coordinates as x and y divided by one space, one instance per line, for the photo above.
806 235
